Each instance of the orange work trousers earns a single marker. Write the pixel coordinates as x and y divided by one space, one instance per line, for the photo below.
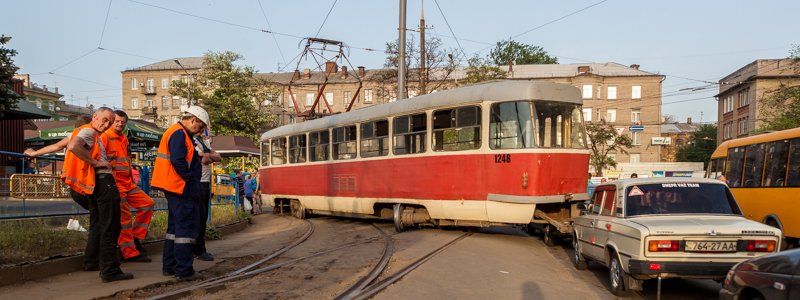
134 228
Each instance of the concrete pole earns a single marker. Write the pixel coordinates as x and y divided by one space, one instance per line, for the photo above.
423 78
401 53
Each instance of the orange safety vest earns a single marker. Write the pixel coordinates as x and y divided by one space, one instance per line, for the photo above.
164 175
78 174
119 158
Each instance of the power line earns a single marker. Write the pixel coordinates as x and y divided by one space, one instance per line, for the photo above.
105 23
283 59
451 29
81 79
326 18
129 54
72 61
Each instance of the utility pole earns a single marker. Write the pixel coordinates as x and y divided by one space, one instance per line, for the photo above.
188 81
423 73
401 53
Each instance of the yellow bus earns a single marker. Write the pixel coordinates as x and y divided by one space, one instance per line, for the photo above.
763 172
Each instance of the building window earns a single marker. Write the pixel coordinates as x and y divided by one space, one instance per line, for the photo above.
635 158
611 115
744 97
587 91
587 114
391 96
346 97
309 99
636 115
150 83
636 136
164 101
636 92
743 125
329 98
165 83
134 103
51 107
134 84
367 96
184 101
612 92
149 102
291 100
176 102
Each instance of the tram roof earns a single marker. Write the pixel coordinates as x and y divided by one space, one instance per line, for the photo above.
503 90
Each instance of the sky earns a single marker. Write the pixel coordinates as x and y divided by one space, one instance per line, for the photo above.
691 42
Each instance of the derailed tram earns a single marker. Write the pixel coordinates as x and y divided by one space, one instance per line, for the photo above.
498 153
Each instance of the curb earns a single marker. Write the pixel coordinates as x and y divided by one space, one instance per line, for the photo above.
39 270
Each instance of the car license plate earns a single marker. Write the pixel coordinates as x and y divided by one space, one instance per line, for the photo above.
705 246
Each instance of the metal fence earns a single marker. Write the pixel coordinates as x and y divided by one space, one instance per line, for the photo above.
34 186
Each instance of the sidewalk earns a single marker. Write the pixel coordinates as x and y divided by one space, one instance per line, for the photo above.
266 234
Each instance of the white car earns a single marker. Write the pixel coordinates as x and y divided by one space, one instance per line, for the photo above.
666 227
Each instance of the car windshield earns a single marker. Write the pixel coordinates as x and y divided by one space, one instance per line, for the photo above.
679 198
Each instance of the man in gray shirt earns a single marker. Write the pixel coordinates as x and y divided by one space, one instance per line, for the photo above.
209 156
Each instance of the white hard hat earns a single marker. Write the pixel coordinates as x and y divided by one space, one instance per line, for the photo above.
200 113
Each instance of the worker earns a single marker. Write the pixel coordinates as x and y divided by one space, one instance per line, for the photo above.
177 171
87 172
81 200
209 157
131 196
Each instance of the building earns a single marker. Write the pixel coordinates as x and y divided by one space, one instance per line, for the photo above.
50 101
145 89
12 127
738 110
674 136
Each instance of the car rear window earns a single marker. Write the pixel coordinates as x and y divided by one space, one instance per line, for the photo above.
679 198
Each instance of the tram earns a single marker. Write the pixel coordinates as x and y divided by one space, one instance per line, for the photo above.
497 153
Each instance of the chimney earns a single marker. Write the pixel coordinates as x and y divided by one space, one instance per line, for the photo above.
361 72
635 66
583 69
44 87
56 90
296 74
306 73
344 72
331 67
689 120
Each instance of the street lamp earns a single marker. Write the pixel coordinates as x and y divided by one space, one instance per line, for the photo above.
188 80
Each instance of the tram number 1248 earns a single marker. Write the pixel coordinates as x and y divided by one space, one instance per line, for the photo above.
502 158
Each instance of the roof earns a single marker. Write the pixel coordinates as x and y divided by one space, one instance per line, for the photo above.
722 149
656 180
229 145
503 90
25 110
186 62
680 128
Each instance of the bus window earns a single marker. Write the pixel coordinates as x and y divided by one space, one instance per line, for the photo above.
777 154
560 125
511 125
409 134
733 168
278 149
715 168
264 154
344 142
794 164
753 165
319 142
375 138
457 129
297 149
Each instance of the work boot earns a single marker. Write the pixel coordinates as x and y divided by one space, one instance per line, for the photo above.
142 258
205 257
116 277
194 276
139 246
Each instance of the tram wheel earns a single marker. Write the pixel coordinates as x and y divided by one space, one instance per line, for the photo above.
397 213
297 209
548 237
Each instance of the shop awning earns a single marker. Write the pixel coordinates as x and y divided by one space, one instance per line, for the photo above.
234 146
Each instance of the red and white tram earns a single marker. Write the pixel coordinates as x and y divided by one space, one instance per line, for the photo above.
506 152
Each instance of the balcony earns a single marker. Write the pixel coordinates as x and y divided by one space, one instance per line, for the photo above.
149 111
149 90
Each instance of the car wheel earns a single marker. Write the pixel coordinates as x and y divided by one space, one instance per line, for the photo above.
577 258
616 277
548 237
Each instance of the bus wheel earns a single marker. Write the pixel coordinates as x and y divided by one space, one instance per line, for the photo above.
297 209
397 214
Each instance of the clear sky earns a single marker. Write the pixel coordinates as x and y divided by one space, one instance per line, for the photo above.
701 40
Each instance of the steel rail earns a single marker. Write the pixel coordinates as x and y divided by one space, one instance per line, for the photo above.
376 271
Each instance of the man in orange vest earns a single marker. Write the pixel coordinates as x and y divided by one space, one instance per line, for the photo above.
87 172
131 196
177 172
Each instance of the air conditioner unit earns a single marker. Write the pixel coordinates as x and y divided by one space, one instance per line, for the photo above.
141 83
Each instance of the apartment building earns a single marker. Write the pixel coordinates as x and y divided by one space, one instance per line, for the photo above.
50 100
739 112
145 89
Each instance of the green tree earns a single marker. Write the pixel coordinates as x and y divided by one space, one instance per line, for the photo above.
786 97
8 98
603 139
480 70
233 96
701 145
507 51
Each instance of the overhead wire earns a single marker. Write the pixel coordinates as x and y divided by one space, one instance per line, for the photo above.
326 18
269 27
105 23
463 54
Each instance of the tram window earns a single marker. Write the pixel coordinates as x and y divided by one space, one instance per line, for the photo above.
344 142
319 142
733 169
278 150
511 125
457 129
560 125
264 154
409 134
753 165
375 138
794 163
297 149
775 173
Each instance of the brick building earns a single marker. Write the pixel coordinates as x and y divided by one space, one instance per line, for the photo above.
145 89
740 93
49 100
674 136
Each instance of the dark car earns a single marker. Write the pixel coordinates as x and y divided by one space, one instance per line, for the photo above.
775 276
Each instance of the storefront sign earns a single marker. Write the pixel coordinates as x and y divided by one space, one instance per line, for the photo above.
661 140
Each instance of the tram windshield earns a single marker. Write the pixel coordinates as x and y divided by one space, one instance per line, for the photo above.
537 124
